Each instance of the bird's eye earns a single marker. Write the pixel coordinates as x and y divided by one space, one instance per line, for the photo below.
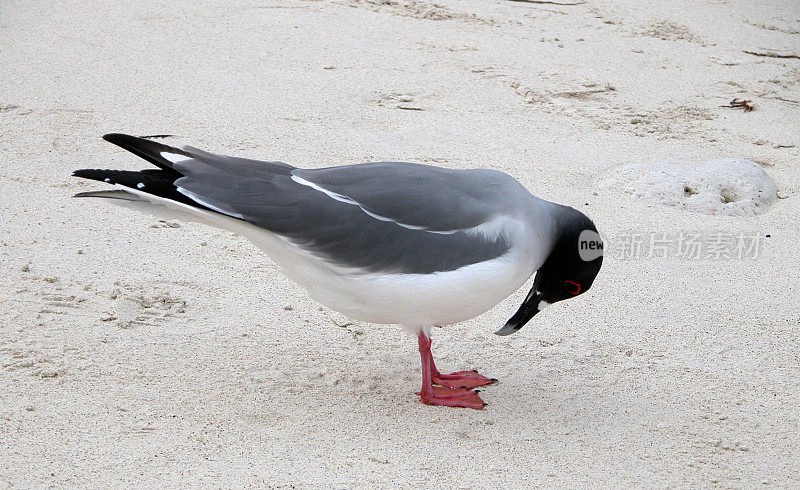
572 287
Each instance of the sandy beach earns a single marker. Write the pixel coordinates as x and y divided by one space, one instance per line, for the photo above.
138 352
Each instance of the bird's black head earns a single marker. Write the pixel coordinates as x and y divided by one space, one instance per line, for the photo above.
569 270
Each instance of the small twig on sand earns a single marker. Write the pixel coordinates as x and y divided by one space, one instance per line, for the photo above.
747 105
578 94
547 2
772 54
791 101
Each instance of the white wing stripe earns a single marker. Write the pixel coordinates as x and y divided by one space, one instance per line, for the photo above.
383 218
347 200
330 194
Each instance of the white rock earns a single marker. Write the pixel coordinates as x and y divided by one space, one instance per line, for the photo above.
732 186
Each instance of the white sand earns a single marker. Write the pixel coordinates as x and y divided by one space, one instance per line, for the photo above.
139 352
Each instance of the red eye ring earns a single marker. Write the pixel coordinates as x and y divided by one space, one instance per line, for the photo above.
576 287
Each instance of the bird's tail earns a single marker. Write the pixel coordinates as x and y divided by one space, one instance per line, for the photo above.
152 190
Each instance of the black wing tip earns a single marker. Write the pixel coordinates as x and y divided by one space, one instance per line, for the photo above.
125 141
117 137
112 137
83 172
145 148
94 174
91 174
121 139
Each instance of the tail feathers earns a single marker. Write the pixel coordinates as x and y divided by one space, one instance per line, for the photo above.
160 207
160 155
112 194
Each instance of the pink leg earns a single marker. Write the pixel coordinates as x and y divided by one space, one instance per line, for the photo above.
442 395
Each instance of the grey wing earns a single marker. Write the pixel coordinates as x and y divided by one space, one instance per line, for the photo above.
387 217
417 195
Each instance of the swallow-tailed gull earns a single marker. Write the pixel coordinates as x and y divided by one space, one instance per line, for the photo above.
386 242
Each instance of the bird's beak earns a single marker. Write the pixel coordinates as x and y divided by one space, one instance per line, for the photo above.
532 305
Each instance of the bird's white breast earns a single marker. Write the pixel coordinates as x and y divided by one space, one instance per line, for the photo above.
411 300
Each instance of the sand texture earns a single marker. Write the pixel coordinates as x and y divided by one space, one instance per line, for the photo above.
143 352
